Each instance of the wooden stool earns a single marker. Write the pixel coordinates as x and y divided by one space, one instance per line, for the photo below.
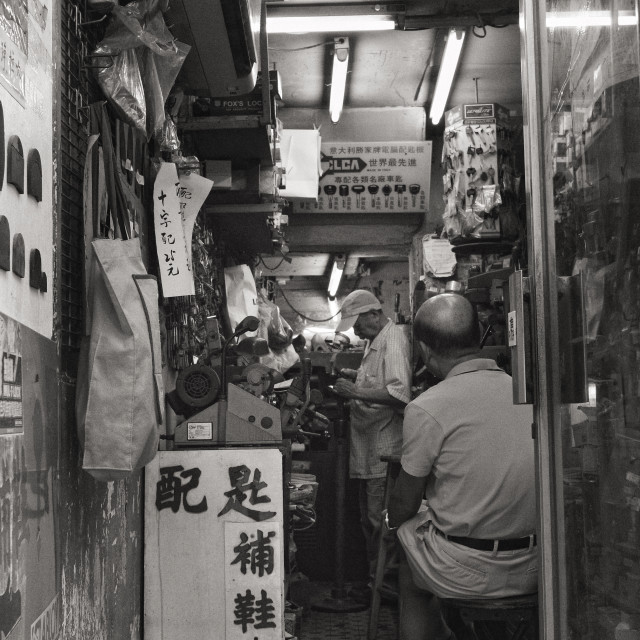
393 469
518 613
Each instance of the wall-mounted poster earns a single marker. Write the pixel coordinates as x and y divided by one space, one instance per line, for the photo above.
372 177
11 414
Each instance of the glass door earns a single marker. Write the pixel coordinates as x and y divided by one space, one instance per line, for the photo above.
580 63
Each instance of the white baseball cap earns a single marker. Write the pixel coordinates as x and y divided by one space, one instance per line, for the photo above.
357 302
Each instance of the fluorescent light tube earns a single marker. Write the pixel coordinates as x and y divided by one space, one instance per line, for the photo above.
336 276
338 77
448 67
329 24
582 19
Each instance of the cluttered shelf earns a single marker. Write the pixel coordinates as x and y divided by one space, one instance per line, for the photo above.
256 227
209 137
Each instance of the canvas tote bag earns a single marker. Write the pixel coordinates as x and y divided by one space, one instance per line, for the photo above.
119 391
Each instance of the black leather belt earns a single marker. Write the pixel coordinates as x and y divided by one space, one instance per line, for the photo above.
510 544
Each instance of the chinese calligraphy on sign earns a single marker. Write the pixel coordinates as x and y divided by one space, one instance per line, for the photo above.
253 593
213 525
176 202
370 177
171 492
257 555
250 611
239 477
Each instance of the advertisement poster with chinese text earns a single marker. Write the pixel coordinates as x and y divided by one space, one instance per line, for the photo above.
372 177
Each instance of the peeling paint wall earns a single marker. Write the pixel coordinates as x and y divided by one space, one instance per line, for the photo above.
100 549
70 548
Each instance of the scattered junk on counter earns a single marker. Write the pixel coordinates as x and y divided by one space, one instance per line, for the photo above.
257 406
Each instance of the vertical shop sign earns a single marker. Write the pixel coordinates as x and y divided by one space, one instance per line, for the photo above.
14 47
176 203
214 545
253 594
10 377
366 177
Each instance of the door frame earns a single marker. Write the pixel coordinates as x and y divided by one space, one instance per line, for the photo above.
544 321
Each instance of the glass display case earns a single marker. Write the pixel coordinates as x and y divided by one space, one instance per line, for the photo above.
581 68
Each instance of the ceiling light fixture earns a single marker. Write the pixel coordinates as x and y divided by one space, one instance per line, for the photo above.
582 19
338 77
330 24
336 276
448 67
321 17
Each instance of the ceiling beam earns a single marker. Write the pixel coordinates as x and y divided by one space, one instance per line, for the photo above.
452 17
452 21
363 240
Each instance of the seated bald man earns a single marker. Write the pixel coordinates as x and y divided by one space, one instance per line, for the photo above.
465 500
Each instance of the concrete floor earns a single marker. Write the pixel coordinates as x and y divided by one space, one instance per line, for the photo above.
320 625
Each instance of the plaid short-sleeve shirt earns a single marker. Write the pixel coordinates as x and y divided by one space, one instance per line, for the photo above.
376 429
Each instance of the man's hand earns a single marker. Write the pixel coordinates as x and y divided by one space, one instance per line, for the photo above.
349 374
345 388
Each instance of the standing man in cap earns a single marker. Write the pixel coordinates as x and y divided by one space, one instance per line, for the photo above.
378 392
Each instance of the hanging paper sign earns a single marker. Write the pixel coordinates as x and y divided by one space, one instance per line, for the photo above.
193 191
366 177
175 270
176 203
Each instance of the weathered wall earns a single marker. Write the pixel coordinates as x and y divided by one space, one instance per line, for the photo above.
70 548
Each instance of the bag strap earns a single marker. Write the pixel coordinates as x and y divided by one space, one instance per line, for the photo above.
136 279
118 208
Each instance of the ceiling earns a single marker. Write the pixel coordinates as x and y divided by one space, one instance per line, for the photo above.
399 68
396 69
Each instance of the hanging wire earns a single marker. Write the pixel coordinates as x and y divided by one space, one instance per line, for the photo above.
482 26
302 315
311 46
270 268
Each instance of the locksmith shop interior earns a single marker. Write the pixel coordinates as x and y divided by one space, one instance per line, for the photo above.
319 320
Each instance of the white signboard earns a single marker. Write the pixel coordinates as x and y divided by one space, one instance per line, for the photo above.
365 177
214 545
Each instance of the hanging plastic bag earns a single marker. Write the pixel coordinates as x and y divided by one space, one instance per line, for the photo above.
242 296
122 85
278 331
146 61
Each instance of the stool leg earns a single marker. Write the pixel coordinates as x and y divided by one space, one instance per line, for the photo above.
372 630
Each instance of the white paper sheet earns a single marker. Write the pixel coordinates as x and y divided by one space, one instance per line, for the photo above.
300 149
438 257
